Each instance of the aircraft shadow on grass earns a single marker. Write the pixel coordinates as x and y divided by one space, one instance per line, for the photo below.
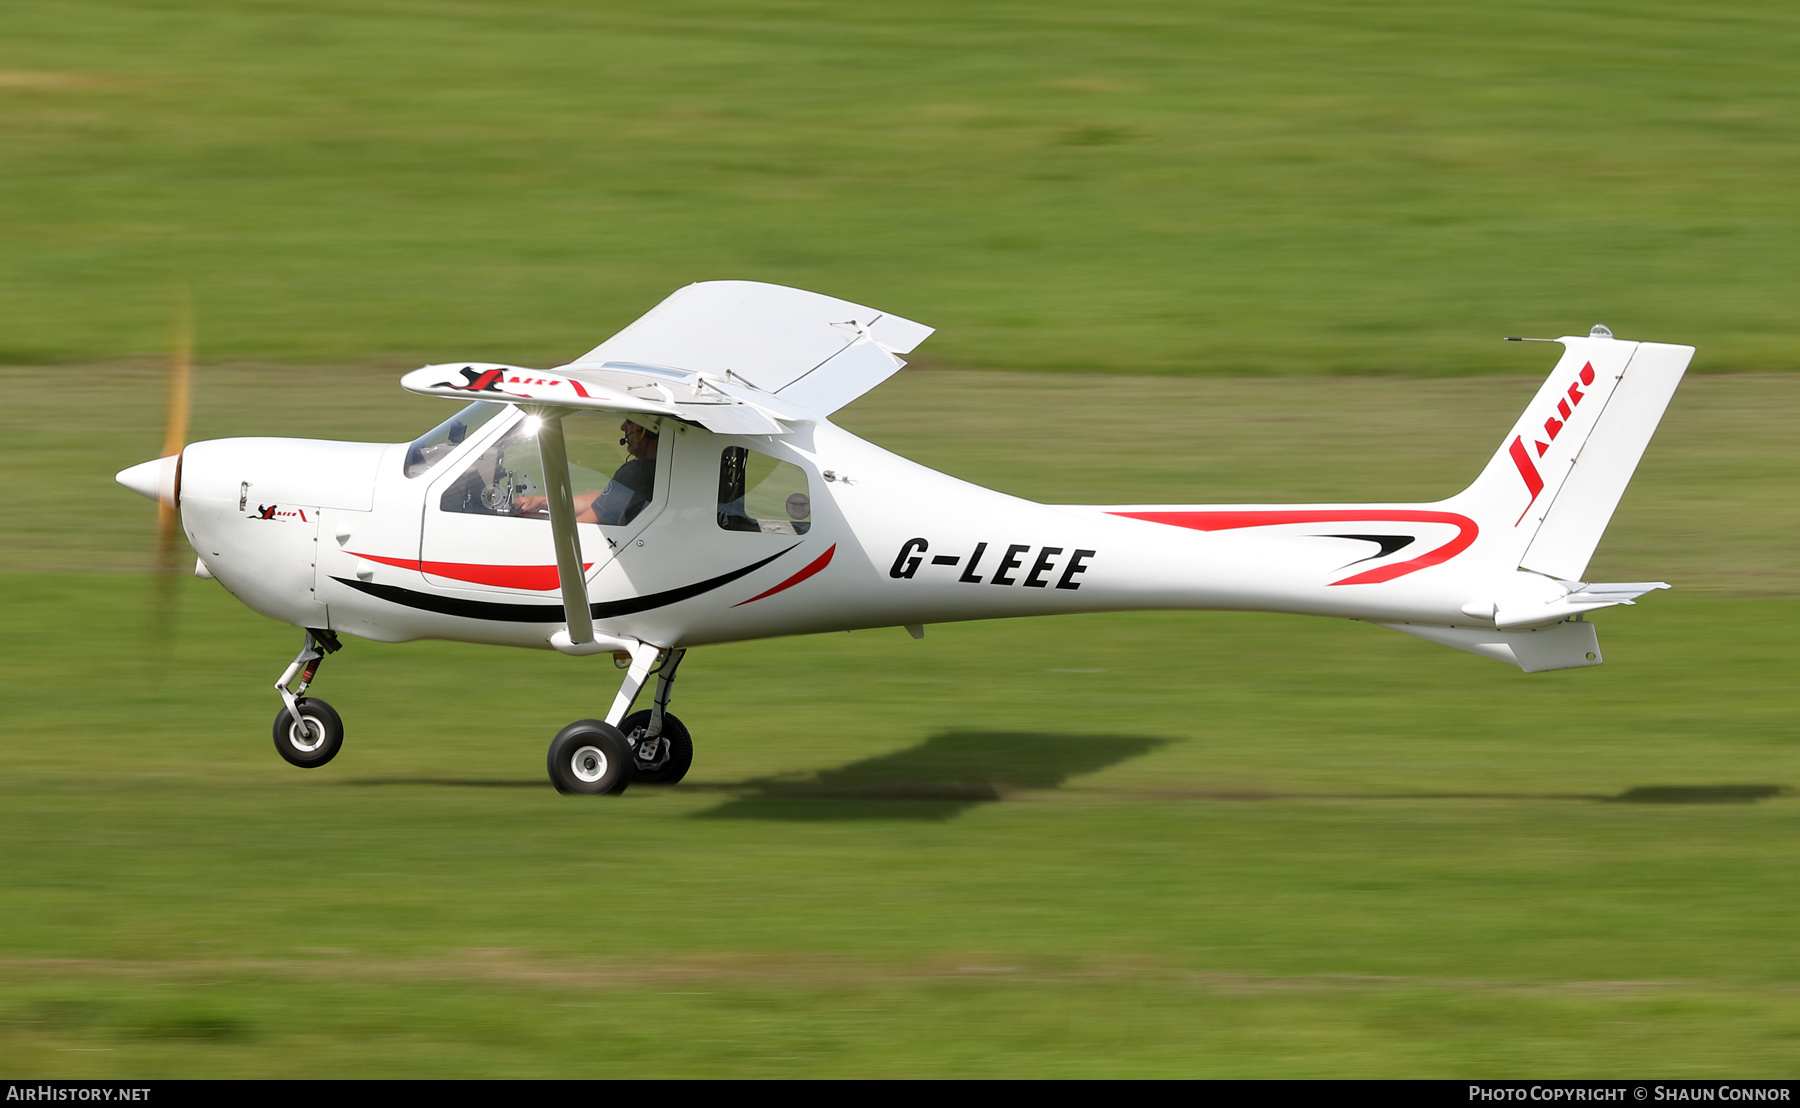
1696 794
949 773
936 780
452 782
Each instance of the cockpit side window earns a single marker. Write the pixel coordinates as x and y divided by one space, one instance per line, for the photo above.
613 479
430 448
762 494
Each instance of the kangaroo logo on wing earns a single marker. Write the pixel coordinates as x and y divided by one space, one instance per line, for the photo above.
1565 408
490 380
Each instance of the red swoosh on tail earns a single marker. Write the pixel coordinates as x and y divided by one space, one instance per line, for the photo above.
1227 521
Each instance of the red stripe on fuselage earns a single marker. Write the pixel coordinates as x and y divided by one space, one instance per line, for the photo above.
533 578
1228 521
817 564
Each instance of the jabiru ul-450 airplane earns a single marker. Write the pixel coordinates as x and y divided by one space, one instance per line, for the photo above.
682 484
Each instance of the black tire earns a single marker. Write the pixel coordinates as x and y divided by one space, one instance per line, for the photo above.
672 758
312 741
589 758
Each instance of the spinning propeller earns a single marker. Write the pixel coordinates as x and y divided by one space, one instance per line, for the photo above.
175 426
160 480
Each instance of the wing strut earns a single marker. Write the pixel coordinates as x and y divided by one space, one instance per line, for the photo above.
555 457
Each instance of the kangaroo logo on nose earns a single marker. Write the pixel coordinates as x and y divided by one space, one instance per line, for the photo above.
276 513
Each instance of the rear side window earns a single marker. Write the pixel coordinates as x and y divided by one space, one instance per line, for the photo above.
763 494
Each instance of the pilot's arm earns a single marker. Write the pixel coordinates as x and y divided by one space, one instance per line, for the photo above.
540 506
618 503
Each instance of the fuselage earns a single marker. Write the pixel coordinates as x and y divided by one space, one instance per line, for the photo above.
357 538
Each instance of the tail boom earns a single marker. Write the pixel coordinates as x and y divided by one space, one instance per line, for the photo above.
1493 570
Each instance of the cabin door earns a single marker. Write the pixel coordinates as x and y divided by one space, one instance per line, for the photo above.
487 524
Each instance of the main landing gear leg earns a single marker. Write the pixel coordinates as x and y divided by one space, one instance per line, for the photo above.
643 658
308 732
594 757
662 750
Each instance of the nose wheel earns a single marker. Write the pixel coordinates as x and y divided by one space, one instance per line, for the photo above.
308 732
312 738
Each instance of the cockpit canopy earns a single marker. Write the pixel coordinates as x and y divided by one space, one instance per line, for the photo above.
430 448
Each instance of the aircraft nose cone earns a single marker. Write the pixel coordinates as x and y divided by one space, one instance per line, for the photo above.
153 479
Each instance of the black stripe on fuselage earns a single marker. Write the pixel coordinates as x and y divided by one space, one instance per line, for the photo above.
1387 543
545 613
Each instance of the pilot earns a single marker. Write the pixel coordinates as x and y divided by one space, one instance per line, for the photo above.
632 483
625 495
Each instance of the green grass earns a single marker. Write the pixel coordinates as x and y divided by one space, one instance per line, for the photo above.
1166 844
1162 844
1148 187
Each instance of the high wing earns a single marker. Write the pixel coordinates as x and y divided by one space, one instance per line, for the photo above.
719 406
814 351
735 357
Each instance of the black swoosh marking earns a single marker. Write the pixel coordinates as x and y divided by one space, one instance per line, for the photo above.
1388 544
545 613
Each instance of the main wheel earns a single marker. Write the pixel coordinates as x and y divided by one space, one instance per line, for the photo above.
313 739
589 758
668 761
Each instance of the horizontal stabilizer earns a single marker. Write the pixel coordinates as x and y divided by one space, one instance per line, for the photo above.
1587 598
1567 645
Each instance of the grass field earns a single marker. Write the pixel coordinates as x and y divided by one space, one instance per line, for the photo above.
1168 844
1250 253
1154 186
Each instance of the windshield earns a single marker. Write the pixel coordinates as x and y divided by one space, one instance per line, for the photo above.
429 449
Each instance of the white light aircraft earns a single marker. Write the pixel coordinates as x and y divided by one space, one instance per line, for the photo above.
733 508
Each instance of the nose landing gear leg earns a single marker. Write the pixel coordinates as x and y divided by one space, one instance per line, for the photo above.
308 732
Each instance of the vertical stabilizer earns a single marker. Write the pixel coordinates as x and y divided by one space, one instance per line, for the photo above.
1550 490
